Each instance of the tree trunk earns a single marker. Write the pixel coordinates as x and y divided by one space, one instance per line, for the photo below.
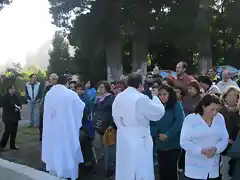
114 43
140 42
203 23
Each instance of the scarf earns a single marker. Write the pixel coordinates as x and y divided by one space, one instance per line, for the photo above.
102 97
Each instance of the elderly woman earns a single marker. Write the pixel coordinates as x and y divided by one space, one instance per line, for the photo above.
230 111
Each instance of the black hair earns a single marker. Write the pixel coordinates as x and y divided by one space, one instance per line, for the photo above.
62 79
135 80
106 85
31 75
207 100
79 85
205 79
73 82
172 98
169 80
158 81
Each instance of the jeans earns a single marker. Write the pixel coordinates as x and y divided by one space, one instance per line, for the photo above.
34 113
109 155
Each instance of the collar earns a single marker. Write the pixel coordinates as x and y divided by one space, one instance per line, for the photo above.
181 77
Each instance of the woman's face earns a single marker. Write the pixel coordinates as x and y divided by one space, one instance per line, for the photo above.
232 98
178 93
211 110
101 89
163 95
192 91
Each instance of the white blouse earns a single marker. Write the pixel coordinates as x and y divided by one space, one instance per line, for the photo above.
196 135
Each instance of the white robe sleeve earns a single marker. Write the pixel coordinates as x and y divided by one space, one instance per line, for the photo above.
185 137
153 110
78 107
222 144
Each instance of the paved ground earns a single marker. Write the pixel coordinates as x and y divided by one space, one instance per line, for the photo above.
7 174
30 153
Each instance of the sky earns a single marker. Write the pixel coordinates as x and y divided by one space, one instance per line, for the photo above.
25 26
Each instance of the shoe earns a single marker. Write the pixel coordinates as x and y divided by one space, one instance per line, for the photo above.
14 148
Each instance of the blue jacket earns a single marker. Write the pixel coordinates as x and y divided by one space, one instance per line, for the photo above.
171 125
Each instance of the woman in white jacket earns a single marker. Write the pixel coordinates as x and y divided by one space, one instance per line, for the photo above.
204 136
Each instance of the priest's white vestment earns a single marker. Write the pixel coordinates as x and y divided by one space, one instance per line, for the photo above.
62 120
132 112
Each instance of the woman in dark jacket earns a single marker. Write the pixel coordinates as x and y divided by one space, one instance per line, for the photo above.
11 116
103 115
167 134
230 112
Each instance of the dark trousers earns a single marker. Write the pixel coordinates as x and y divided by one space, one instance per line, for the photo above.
40 133
187 178
168 163
10 131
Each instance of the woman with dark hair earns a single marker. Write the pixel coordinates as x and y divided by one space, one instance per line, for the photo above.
192 98
204 136
207 85
168 134
102 120
11 116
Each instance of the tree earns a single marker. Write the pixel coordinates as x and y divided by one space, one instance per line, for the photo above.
60 59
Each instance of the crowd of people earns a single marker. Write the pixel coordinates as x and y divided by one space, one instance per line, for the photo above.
178 124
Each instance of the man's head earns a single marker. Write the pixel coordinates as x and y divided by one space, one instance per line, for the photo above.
33 78
181 68
135 80
211 72
225 75
149 78
79 89
63 80
53 78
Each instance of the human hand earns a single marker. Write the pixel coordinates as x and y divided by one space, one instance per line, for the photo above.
163 137
209 152
154 91
230 141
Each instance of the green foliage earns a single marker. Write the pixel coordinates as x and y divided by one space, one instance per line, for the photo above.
177 31
18 76
60 59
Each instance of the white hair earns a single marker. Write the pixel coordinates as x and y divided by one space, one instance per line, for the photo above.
53 76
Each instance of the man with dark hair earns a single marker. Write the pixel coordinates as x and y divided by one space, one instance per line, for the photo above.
182 78
132 112
33 94
63 112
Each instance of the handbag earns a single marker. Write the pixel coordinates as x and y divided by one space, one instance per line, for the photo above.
101 122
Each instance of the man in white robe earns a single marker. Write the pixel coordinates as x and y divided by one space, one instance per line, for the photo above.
62 120
132 112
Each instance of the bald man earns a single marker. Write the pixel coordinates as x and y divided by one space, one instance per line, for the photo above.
226 81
